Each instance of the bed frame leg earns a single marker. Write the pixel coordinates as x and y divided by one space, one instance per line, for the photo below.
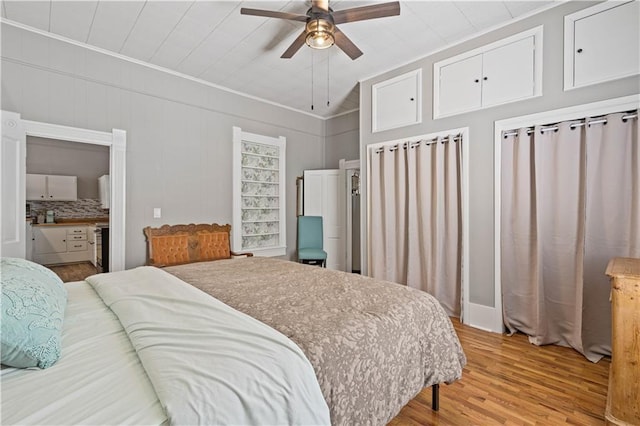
435 397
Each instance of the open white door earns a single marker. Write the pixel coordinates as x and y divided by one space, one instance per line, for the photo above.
13 158
324 195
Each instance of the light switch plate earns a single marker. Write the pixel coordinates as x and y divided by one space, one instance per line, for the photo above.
157 213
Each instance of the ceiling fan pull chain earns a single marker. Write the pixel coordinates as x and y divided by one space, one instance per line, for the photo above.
311 81
328 72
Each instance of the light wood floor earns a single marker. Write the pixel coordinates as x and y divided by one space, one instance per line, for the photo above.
508 381
74 271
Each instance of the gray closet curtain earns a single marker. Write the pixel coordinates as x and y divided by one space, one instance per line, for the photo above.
570 202
415 223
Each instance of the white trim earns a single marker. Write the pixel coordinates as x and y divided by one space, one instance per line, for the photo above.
270 251
236 237
156 67
466 39
72 134
555 116
484 318
348 164
417 119
467 314
13 162
570 113
117 143
117 206
569 44
536 32
340 114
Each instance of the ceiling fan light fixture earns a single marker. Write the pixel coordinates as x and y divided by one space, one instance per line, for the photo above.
319 34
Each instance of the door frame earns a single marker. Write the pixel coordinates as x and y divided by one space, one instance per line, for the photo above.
116 140
348 167
467 315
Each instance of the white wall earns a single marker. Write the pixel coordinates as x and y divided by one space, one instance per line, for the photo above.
481 127
179 132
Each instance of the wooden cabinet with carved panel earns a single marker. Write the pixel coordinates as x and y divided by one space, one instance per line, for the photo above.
623 399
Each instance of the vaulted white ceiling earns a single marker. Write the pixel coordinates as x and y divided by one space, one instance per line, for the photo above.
211 41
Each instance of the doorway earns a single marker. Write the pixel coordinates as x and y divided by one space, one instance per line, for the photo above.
64 205
14 134
352 223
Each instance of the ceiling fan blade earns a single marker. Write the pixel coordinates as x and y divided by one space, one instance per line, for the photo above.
273 14
347 46
295 46
366 12
320 6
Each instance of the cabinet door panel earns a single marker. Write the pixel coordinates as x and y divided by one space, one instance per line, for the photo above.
397 102
608 44
508 72
62 188
460 87
50 240
36 187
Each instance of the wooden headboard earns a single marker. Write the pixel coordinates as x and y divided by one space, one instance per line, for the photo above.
179 244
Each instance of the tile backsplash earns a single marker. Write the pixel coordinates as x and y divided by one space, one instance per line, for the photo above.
86 207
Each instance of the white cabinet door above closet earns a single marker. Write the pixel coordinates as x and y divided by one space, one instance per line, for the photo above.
602 43
460 86
508 73
508 70
397 102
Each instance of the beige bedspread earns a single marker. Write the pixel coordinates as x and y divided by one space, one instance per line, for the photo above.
374 345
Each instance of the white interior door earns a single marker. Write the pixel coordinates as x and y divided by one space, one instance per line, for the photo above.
13 158
324 196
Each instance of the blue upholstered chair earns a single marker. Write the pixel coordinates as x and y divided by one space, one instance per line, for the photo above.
310 247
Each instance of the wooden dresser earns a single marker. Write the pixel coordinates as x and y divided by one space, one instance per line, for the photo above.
623 398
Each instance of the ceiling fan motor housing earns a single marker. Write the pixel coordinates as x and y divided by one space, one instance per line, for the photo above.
320 29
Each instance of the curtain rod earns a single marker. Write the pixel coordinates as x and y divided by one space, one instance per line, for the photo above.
414 144
579 123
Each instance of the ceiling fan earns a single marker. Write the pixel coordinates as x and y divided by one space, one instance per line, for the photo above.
320 30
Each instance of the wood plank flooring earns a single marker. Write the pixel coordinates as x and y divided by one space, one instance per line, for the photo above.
508 381
74 271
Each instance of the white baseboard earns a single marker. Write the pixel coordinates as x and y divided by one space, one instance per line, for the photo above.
483 317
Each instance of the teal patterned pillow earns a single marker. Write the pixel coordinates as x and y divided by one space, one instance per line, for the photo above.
33 303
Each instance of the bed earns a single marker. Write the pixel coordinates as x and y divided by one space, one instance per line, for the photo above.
278 343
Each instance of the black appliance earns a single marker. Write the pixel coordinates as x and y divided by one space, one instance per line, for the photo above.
102 247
